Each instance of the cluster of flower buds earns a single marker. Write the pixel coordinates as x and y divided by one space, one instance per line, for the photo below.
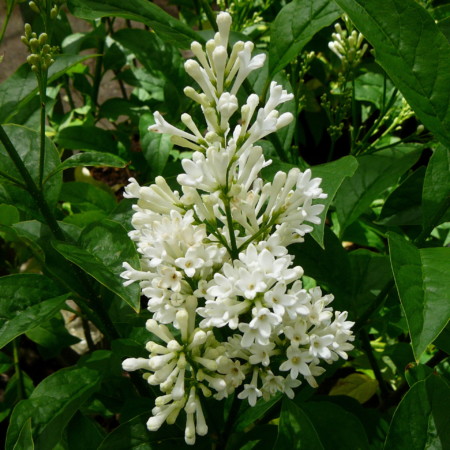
229 308
42 6
41 53
349 48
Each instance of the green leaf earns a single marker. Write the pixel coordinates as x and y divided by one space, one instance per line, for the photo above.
87 137
375 173
436 188
294 27
83 433
25 439
330 267
27 144
332 174
52 336
13 393
156 56
443 340
95 159
87 197
414 53
370 273
333 424
423 285
403 206
295 430
421 420
369 87
134 435
356 385
21 87
156 147
26 300
9 215
140 10
52 404
248 415
101 250
417 372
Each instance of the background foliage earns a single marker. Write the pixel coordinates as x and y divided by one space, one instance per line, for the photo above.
377 132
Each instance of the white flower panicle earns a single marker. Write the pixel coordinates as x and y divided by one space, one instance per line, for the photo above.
214 255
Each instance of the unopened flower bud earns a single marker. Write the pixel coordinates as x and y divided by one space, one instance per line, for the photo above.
43 37
34 7
34 45
28 30
54 12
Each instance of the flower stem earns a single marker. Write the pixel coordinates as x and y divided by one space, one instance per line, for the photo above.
42 83
234 249
209 13
367 347
18 370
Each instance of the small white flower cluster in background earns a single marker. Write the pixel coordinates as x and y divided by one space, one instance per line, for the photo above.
229 308
348 48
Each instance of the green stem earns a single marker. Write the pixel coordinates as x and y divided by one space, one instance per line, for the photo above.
68 92
209 14
6 21
379 300
42 83
367 347
18 371
234 250
259 233
87 334
355 119
360 148
98 72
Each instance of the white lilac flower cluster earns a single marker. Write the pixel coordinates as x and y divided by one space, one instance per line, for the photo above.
229 307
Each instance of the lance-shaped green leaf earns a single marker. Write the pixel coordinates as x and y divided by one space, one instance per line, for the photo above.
375 173
294 27
27 144
21 87
423 286
101 251
95 159
51 406
436 188
26 300
140 10
332 174
421 420
414 53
